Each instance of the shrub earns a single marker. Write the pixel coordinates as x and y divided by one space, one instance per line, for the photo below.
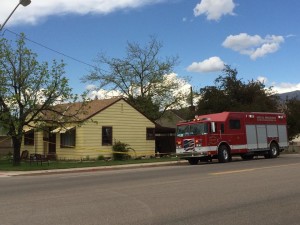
100 157
120 150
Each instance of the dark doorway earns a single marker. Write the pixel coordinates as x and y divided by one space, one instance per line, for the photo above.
165 140
52 144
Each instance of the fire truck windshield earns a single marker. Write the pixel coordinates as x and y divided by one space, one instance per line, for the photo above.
192 129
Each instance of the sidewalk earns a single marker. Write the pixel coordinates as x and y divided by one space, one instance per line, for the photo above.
86 169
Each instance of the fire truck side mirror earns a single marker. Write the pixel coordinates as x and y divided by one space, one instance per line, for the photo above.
213 127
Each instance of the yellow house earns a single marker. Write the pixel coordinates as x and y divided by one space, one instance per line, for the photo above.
104 122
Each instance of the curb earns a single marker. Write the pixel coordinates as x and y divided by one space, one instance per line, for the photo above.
87 169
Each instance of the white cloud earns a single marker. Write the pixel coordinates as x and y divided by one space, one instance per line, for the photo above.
183 90
279 87
101 94
39 10
183 84
262 79
290 35
91 87
212 64
254 46
285 87
214 9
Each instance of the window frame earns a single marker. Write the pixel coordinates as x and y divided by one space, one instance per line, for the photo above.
68 136
29 138
235 124
3 131
107 140
150 133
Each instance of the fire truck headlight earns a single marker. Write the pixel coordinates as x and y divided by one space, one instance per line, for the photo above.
198 142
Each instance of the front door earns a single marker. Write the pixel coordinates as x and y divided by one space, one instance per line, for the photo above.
52 143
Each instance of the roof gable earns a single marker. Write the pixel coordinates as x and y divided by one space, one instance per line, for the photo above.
91 108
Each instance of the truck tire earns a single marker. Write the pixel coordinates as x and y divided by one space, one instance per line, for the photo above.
223 154
193 161
274 151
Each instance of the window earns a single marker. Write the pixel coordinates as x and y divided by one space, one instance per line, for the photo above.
222 128
193 129
150 134
29 138
106 135
235 124
183 130
3 132
198 129
68 139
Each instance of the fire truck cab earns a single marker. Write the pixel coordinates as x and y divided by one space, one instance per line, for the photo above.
223 135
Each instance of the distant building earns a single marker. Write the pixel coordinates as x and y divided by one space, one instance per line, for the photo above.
165 132
295 145
6 145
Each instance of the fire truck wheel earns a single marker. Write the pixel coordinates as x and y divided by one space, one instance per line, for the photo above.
223 154
193 161
274 150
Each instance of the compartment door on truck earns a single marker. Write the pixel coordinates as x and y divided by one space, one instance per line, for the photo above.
251 136
262 141
283 139
256 136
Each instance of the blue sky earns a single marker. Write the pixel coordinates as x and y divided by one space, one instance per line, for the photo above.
260 38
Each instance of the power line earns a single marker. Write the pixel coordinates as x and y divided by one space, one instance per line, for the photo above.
53 50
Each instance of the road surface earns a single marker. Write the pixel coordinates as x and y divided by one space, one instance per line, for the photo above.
261 191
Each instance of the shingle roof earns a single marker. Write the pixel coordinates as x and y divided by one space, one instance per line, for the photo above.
82 110
169 119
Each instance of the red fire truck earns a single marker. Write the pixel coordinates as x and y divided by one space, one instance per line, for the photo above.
222 135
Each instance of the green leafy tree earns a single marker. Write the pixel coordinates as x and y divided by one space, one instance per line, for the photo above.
141 77
146 105
232 94
293 117
29 91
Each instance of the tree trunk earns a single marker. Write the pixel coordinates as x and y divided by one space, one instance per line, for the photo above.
17 150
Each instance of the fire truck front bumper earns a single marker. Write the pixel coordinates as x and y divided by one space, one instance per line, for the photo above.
187 155
198 151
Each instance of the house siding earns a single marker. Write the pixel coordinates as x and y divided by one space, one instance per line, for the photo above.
6 145
128 126
38 146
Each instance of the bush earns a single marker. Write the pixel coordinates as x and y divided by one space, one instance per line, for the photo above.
101 157
120 150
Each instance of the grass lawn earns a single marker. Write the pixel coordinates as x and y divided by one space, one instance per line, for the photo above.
6 165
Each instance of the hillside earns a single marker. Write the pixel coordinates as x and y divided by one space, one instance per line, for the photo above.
290 95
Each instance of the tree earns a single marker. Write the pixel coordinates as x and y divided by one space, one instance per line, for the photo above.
142 77
29 91
232 94
293 117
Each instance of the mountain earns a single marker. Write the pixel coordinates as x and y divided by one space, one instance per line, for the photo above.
290 95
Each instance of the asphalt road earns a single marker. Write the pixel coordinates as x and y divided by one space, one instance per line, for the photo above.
261 191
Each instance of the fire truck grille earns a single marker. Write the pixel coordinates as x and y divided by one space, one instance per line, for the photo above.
189 145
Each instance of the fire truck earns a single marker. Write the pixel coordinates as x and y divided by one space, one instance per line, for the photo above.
223 135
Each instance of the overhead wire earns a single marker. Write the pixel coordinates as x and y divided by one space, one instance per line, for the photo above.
53 50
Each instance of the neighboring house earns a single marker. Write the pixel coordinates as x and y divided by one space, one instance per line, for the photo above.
295 145
103 122
165 133
296 140
6 145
